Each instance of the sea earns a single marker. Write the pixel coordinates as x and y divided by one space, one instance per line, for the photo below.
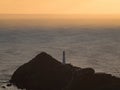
86 45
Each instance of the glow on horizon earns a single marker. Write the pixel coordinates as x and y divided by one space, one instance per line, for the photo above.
60 7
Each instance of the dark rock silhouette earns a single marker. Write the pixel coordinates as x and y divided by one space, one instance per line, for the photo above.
46 73
42 72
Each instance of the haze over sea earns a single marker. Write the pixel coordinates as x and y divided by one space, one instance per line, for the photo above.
88 42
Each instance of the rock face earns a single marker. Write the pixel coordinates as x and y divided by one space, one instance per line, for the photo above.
42 73
46 73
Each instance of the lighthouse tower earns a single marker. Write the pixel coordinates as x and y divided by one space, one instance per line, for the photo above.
64 59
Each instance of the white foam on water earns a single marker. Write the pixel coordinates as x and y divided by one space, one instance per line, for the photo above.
12 87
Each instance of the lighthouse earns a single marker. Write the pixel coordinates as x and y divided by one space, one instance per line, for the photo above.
64 59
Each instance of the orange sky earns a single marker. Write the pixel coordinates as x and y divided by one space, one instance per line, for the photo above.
60 6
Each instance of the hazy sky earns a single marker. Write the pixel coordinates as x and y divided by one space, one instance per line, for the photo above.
60 6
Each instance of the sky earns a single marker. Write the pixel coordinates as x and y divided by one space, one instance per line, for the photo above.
60 7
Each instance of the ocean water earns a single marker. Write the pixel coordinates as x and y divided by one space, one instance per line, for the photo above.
85 46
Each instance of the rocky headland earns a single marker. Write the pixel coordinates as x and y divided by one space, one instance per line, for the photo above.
46 73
